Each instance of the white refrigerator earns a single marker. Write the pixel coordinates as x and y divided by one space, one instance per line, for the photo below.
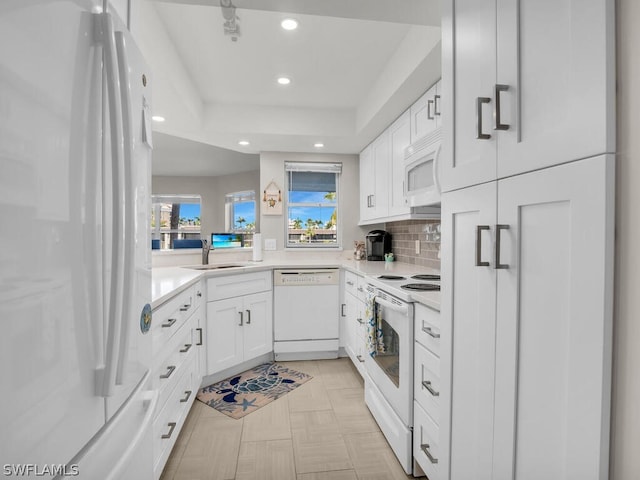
75 260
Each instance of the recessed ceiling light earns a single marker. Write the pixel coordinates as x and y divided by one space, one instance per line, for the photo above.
157 118
289 24
244 143
318 145
284 80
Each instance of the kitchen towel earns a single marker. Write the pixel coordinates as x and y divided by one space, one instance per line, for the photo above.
375 339
257 247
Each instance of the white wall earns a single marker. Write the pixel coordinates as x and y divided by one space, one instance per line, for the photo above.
272 168
625 460
212 190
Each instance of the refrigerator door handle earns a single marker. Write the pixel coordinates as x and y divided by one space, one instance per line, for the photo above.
127 207
114 308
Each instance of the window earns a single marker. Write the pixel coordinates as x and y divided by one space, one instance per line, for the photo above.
175 217
240 211
312 204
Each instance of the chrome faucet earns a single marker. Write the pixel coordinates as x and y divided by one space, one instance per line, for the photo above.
205 251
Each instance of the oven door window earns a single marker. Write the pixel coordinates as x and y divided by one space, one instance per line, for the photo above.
420 175
389 358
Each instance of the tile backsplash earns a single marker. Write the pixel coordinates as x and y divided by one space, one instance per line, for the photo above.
403 241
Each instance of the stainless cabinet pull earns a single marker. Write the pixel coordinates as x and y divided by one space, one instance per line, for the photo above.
187 396
429 331
496 108
360 289
199 330
186 348
186 306
429 114
170 370
342 309
360 359
172 426
360 321
436 105
199 294
479 134
241 319
351 284
169 323
427 384
248 317
425 448
499 228
479 229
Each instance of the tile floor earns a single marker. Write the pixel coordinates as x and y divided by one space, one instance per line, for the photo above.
322 430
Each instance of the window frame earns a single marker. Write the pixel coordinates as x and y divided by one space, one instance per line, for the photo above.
229 210
329 167
156 205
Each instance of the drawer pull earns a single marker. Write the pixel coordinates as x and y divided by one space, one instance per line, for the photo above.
172 426
185 307
360 359
427 384
425 448
169 323
430 332
170 370
199 330
350 284
187 347
187 396
199 294
360 321
360 289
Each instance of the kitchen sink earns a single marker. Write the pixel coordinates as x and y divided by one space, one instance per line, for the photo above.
218 266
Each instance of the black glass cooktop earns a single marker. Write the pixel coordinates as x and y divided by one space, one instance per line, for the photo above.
391 277
423 287
426 277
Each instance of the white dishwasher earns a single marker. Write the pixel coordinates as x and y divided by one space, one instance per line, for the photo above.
306 313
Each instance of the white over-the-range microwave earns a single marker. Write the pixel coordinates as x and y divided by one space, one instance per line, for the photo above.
421 186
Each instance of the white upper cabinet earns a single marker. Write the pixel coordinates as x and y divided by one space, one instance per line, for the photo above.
382 166
426 113
399 140
367 184
530 84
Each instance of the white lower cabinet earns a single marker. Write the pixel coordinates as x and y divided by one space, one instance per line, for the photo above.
355 328
427 390
239 328
526 325
175 370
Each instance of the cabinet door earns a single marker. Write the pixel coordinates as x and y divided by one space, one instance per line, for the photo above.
554 308
367 184
351 314
468 332
380 150
423 118
557 59
469 70
258 325
399 140
224 334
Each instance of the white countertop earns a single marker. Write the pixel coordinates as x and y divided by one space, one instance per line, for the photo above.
167 281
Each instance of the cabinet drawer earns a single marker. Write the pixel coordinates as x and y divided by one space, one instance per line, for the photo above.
426 442
351 283
230 286
169 317
170 363
426 388
169 422
427 324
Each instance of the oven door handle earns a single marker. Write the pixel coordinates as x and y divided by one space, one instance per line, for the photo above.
404 308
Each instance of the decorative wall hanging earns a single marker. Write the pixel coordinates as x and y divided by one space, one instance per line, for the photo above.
272 199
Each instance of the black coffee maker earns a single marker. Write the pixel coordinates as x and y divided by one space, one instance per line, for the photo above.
378 243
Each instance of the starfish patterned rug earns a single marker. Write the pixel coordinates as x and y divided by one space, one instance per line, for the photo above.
246 392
